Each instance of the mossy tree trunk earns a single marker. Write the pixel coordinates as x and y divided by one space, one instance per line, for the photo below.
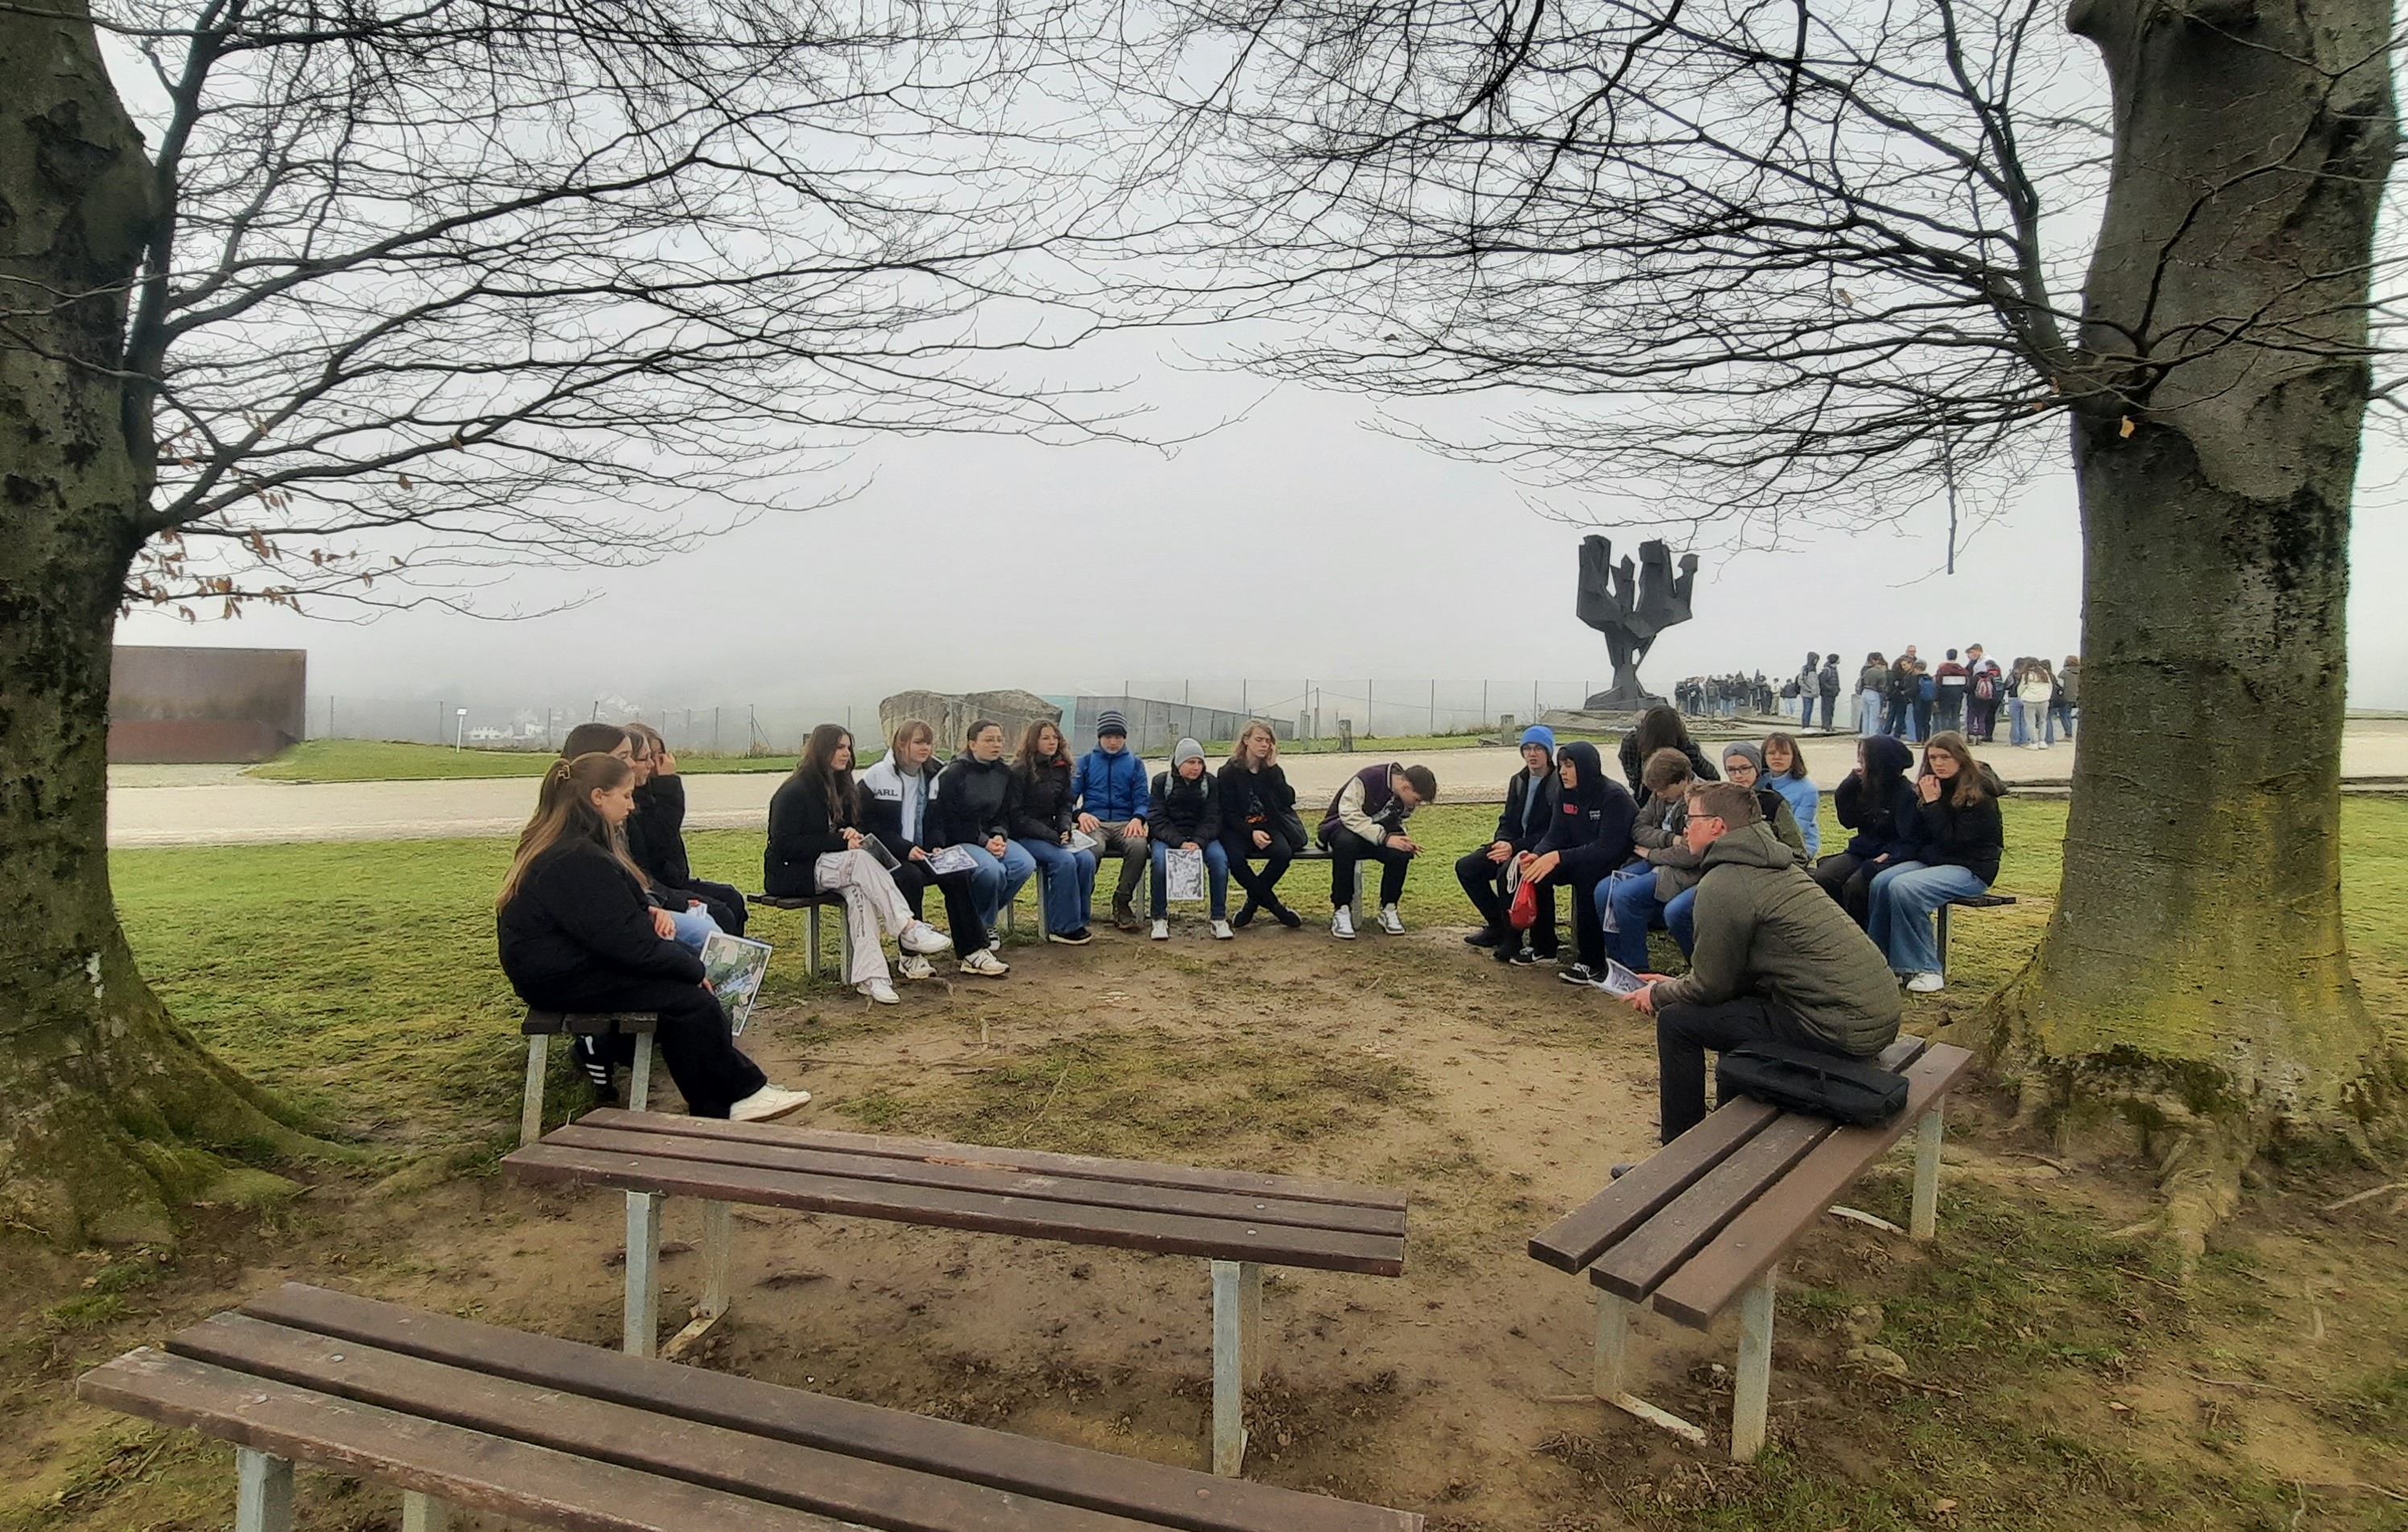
108 1112
2194 975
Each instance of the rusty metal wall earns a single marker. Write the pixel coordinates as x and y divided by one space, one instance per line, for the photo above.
178 705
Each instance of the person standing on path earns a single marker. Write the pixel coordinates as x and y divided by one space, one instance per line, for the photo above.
1948 688
1985 687
1827 687
1872 694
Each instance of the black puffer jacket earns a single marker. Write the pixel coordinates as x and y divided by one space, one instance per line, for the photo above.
1040 808
1185 810
656 831
974 802
1970 838
1879 803
577 910
1252 801
801 830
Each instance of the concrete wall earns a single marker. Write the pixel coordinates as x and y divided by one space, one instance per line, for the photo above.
1155 726
174 704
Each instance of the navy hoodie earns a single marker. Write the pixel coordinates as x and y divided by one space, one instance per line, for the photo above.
1879 803
1592 819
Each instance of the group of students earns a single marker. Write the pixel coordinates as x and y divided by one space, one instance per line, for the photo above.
1910 698
1620 850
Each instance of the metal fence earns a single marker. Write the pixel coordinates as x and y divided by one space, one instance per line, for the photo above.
1302 707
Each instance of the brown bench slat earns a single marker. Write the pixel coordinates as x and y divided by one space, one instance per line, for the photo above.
1151 1493
1222 1239
1579 1236
587 1024
1752 1242
1248 1207
1983 902
715 1458
1038 1162
458 1466
1652 1253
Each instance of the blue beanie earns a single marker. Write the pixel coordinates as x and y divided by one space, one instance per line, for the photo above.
1539 734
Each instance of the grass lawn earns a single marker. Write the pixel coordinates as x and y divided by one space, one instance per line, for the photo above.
398 760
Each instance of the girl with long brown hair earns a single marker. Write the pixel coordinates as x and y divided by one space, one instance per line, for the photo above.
818 844
895 798
1043 815
1258 818
656 832
577 934
1957 858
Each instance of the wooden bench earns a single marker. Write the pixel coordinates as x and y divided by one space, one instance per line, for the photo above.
1237 1220
1970 902
1707 1218
540 1027
458 1415
810 904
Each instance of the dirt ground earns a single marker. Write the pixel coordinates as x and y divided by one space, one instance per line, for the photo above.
2052 1375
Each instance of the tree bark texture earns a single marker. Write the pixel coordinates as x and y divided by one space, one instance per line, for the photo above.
109 1111
2195 970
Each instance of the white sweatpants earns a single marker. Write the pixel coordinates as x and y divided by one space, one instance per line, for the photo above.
874 908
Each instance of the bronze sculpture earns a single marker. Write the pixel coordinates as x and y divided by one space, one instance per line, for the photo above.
1630 606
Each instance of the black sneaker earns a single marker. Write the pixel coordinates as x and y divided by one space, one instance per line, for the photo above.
1245 916
1577 973
1482 937
1079 937
1286 916
1512 954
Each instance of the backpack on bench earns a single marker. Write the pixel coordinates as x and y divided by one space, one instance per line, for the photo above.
1857 1092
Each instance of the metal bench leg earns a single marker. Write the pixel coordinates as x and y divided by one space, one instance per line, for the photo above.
423 1512
811 936
1250 1320
718 1254
263 1491
1943 918
844 949
1229 1365
1928 1134
642 1327
531 1109
1614 1316
640 1077
1754 1385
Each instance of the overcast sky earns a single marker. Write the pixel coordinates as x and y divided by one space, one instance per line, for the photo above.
1297 541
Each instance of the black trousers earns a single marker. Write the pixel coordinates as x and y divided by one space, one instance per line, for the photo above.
1849 881
693 1037
1346 848
1685 1032
1261 885
725 905
1588 922
970 934
1484 881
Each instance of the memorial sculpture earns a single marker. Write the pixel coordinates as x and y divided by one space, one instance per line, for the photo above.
1630 604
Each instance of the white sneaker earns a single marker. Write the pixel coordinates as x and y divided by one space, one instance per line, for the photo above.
1342 923
879 991
914 966
766 1103
995 942
1926 983
1221 931
984 964
1162 931
1389 920
921 938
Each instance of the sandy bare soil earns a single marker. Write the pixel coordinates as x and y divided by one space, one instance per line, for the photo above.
211 805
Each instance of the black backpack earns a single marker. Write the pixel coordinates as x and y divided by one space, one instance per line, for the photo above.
1857 1092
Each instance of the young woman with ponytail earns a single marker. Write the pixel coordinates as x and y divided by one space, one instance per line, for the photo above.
817 833
577 934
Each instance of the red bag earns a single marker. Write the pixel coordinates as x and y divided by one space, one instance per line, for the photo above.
1525 912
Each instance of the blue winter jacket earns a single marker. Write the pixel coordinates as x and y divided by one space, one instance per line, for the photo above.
1111 787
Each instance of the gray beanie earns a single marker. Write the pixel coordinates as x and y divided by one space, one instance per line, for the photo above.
1184 751
1111 723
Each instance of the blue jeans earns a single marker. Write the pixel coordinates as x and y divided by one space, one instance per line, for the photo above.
1216 875
1681 919
2060 721
694 928
1626 906
996 880
2017 734
1901 903
1065 881
1868 713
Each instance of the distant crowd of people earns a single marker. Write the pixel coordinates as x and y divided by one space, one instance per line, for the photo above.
1911 698
602 911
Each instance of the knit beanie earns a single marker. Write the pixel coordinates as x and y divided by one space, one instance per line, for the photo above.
1111 722
1539 734
1185 751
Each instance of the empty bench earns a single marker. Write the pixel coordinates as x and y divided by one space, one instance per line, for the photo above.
1970 902
542 1027
457 1414
1707 1218
1237 1220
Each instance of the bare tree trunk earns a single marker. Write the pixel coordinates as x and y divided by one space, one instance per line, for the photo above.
2194 979
108 1110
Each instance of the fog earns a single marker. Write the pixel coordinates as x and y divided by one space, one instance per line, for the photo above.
1295 540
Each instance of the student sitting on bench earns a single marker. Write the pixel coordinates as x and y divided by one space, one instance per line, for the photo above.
1743 767
576 935
1957 859
1878 802
1042 814
1258 819
1110 788
1367 820
1530 798
656 832
972 809
1634 897
816 846
1589 839
894 807
691 918
1776 960
1187 818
